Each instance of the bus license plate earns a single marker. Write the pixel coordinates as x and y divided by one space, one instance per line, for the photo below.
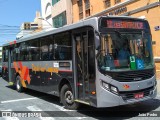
138 95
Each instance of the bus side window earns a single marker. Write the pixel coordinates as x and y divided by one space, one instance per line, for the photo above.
34 50
63 46
47 48
4 54
62 54
51 51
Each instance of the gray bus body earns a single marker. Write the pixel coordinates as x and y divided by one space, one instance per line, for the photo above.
77 64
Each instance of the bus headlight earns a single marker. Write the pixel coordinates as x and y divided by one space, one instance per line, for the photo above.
155 83
106 85
114 89
110 87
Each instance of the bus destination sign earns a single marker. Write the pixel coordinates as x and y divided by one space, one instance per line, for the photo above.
124 24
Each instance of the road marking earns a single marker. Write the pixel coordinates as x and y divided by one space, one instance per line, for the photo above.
79 118
10 118
35 108
6 110
17 100
63 109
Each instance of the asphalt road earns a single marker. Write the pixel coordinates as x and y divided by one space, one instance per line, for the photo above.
34 104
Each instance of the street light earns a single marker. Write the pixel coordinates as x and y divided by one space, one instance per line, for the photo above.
41 18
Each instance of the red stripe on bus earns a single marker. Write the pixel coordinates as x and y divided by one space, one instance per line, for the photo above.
26 74
20 65
23 70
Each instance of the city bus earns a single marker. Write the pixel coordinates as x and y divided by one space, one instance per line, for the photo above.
85 63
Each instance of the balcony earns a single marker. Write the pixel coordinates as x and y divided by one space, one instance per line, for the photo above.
107 3
80 9
81 15
87 6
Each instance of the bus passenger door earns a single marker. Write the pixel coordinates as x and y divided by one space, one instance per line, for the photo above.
81 60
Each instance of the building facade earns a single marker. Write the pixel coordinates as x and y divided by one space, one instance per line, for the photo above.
61 12
46 9
146 9
28 28
57 12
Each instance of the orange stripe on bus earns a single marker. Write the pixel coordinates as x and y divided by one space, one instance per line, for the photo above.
15 66
23 72
23 83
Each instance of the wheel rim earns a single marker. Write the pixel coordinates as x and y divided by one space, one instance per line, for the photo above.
69 97
18 86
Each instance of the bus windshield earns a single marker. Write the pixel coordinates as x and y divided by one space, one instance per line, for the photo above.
125 51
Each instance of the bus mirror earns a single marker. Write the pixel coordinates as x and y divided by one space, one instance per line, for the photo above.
96 33
97 40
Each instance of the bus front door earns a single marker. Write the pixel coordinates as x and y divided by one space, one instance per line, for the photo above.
81 61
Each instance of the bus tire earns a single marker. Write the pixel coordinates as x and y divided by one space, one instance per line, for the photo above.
19 86
67 98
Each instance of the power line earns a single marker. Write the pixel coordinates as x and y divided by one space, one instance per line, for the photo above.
8 26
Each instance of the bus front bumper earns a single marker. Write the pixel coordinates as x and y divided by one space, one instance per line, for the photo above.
108 99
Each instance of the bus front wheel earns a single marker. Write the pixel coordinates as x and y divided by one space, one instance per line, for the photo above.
19 86
67 98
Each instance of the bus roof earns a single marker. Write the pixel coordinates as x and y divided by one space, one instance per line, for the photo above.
84 22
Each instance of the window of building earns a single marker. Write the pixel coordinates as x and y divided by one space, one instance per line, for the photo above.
107 3
55 1
60 20
81 15
80 5
87 8
87 13
117 1
87 4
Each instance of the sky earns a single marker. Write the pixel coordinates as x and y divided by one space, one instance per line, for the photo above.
12 14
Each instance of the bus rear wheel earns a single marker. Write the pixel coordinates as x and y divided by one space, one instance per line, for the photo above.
19 86
67 98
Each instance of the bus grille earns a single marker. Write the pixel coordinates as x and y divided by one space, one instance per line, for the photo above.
130 94
131 76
